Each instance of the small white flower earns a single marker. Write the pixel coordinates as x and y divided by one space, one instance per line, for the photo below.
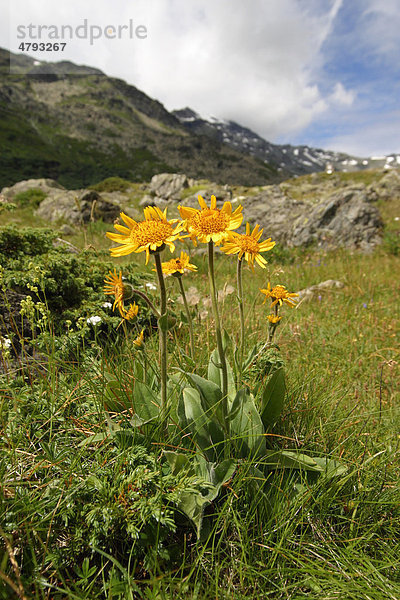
150 286
5 342
107 305
93 320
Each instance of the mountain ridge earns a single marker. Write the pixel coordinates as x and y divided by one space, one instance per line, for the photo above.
299 160
83 127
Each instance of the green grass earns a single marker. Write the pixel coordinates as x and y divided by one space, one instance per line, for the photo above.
74 163
76 530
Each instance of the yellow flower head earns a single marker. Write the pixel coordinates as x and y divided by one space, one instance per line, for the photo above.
279 295
210 224
274 319
138 342
248 245
115 287
131 313
149 235
178 266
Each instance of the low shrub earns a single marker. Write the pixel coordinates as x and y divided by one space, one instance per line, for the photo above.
112 184
31 197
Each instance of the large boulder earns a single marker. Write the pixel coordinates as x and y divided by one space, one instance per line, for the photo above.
46 185
76 207
342 218
168 185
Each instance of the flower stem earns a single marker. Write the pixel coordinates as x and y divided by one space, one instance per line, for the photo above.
147 300
218 332
163 336
189 318
273 326
241 314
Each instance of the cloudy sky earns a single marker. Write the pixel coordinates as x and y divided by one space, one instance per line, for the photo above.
318 72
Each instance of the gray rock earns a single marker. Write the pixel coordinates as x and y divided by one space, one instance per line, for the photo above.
153 201
47 185
168 185
386 188
342 218
76 207
309 292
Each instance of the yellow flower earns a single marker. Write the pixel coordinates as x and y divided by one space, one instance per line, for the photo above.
248 245
138 342
131 313
278 295
210 224
178 265
149 235
115 287
274 319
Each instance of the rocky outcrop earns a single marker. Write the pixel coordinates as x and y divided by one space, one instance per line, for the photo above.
342 218
168 186
74 207
46 185
309 292
78 206
332 211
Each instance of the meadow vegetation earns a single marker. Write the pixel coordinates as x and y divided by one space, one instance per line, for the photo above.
96 500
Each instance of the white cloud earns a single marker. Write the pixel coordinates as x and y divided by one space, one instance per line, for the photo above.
376 137
263 63
341 96
381 26
255 63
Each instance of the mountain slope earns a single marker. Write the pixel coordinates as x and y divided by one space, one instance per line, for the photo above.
296 160
82 128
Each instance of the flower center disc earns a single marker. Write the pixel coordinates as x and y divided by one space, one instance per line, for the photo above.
278 292
248 244
150 232
210 221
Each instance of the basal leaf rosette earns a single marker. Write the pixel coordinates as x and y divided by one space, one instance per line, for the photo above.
248 245
150 235
210 224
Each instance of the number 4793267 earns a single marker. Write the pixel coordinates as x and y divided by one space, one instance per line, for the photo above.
42 46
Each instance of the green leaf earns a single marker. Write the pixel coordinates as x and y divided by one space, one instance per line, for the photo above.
213 476
331 467
273 397
226 340
97 437
210 393
215 374
288 459
176 460
246 425
206 433
146 404
251 355
163 323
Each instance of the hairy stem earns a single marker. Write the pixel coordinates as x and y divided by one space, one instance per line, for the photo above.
189 318
147 300
241 314
163 336
218 332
